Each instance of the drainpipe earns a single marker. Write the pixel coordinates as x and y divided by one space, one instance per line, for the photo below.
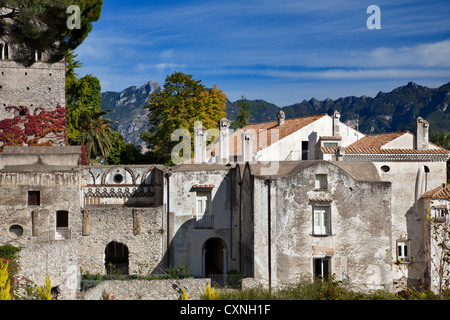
230 172
269 236
168 218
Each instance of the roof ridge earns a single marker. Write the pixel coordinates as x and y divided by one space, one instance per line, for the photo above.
286 120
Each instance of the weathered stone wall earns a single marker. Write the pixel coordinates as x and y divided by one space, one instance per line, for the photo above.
407 218
187 242
40 86
57 259
140 229
360 227
59 190
147 290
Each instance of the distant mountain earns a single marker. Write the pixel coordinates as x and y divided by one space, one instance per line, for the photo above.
127 109
386 112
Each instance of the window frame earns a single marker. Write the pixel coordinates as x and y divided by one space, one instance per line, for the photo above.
403 257
205 197
439 213
321 260
34 198
323 228
62 230
321 181
305 149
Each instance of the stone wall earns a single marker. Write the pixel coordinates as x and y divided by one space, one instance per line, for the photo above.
140 229
40 86
57 259
147 289
358 228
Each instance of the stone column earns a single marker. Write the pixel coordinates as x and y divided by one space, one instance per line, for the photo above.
136 221
86 229
34 223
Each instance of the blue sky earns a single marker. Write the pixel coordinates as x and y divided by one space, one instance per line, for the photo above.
281 51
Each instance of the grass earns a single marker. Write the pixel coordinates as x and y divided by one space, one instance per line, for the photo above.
324 290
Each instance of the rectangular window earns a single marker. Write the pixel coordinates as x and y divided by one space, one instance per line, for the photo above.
321 182
321 220
34 198
62 225
439 213
203 203
322 267
403 254
305 150
330 144
204 218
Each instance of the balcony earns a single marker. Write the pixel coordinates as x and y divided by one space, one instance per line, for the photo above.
204 222
62 233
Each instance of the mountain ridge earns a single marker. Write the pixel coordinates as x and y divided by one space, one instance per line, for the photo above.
386 112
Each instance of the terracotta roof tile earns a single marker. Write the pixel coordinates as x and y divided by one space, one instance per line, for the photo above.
261 129
442 192
376 140
373 144
203 186
350 150
330 138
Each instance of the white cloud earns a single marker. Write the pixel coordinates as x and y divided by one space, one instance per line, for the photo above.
361 74
424 55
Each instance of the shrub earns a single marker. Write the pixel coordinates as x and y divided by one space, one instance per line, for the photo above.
211 293
5 287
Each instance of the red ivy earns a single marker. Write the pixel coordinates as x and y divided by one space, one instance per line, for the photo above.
28 128
83 155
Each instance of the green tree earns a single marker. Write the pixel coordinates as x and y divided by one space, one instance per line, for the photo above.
182 102
97 136
442 139
118 143
85 122
30 26
243 115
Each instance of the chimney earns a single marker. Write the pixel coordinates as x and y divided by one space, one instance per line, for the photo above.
281 117
422 128
247 146
199 143
224 140
336 121
340 153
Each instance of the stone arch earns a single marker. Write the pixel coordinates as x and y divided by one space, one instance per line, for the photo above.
107 172
116 258
147 173
214 256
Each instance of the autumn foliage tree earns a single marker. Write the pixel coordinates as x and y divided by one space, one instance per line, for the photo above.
182 102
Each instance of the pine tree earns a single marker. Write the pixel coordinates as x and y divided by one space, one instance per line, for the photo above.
30 26
243 115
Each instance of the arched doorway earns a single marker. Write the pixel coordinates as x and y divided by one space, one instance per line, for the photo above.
116 258
214 257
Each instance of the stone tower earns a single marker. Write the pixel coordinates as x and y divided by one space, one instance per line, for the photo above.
32 101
